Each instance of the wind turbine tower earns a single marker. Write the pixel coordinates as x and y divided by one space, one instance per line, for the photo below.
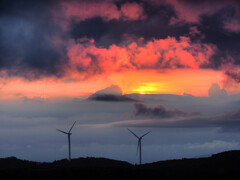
69 140
139 144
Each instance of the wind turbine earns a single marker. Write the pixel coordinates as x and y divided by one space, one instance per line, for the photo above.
139 144
69 140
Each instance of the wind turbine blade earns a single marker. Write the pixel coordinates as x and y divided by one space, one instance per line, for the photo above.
61 131
71 127
145 134
133 133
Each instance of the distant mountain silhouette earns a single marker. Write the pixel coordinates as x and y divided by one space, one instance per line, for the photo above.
225 165
13 162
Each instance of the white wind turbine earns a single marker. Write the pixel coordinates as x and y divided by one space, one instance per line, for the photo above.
139 144
69 140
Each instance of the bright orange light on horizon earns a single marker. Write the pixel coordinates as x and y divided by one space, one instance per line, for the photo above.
147 88
195 82
179 81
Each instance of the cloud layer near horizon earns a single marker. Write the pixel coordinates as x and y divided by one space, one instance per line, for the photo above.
161 117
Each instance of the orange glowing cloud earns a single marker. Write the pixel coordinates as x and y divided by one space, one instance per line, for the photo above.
170 53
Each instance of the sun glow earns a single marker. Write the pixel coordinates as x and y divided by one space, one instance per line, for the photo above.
147 88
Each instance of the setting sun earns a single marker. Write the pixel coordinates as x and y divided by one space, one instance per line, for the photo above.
147 88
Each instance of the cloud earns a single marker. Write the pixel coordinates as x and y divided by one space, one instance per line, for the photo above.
132 11
188 13
160 117
159 111
216 91
191 11
110 98
215 144
111 90
233 75
232 25
231 22
170 53
107 10
195 33
29 41
111 93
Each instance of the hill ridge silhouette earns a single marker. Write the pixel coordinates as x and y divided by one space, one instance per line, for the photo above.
231 155
224 165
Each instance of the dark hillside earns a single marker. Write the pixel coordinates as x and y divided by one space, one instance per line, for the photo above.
224 165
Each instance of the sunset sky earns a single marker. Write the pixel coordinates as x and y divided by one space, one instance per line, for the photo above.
174 60
73 48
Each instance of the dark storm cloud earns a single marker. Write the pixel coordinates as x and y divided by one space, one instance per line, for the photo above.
213 28
154 26
159 111
28 40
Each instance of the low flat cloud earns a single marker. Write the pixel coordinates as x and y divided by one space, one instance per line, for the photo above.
110 97
215 144
160 117
159 111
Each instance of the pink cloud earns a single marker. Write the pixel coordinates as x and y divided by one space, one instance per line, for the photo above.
107 10
192 12
132 11
85 10
232 25
195 33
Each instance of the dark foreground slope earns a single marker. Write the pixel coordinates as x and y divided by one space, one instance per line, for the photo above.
224 165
